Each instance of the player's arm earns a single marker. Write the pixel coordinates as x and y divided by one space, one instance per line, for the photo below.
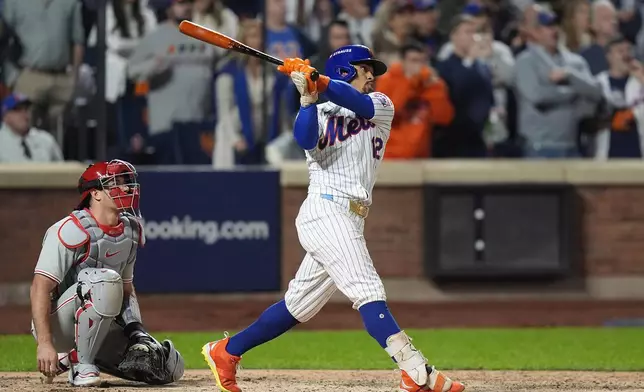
339 92
56 258
343 94
306 130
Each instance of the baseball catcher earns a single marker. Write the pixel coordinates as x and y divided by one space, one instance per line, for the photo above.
86 317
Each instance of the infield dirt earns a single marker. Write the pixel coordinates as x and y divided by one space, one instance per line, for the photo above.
355 381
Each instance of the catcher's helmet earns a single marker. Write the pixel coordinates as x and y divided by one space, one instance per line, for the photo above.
340 63
118 178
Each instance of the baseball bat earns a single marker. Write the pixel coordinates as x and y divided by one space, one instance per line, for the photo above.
223 41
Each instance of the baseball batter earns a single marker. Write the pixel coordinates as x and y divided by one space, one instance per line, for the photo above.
345 142
86 318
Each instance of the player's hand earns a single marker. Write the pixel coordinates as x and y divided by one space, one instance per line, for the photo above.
306 88
292 65
47 360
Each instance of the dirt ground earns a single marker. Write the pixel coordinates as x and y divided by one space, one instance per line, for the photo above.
363 381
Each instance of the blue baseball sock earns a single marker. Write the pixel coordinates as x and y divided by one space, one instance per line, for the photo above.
378 321
272 323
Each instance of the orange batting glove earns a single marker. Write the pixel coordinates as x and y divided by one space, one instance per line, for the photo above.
290 65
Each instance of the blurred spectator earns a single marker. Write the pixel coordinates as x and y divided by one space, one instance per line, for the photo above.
524 30
551 82
622 86
299 12
470 87
448 10
322 12
361 23
576 25
137 151
421 100
426 31
630 18
604 29
179 72
214 15
127 22
337 35
9 54
495 54
284 40
241 134
393 29
51 35
502 14
19 141
500 61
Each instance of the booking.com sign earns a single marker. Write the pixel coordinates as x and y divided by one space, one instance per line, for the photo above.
208 231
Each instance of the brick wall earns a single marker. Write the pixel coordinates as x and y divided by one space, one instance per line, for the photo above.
613 231
25 215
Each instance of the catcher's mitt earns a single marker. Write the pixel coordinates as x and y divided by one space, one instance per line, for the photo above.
144 360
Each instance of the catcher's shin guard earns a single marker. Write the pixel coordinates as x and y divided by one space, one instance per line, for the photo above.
101 295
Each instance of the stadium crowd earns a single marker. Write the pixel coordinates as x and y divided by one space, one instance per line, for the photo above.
468 78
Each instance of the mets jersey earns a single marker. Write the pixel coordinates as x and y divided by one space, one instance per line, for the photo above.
78 241
349 150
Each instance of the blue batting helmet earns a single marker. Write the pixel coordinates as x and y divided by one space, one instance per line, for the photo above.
340 63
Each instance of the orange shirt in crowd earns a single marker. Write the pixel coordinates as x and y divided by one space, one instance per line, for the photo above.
420 102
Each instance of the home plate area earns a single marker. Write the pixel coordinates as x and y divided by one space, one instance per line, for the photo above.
358 381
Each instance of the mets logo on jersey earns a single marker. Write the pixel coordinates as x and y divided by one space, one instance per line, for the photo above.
382 98
339 128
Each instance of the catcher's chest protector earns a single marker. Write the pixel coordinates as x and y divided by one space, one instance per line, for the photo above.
106 250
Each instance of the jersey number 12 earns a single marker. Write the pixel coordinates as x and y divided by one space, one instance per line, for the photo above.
376 146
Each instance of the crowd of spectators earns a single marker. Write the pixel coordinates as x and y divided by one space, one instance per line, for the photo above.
468 78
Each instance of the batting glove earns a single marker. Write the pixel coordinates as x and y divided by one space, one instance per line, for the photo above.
292 65
303 85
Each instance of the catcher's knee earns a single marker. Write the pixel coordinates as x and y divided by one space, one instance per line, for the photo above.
104 287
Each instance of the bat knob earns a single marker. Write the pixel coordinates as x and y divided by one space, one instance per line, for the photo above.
315 75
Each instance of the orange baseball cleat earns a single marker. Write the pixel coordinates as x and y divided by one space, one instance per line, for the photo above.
437 382
222 364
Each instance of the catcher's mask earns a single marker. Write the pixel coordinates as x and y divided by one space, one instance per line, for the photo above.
118 179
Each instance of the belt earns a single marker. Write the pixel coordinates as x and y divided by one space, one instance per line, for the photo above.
355 206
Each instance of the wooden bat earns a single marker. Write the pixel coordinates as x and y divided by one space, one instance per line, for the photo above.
223 41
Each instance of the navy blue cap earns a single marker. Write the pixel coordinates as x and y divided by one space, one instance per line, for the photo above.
474 9
546 18
423 5
14 100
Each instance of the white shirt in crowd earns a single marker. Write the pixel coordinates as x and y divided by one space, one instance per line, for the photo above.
40 144
119 48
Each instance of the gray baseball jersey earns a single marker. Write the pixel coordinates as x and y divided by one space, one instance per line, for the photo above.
79 241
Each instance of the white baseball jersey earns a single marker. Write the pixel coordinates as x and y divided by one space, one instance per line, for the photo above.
78 241
343 166
349 150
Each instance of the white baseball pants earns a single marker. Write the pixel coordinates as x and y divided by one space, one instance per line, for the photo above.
336 258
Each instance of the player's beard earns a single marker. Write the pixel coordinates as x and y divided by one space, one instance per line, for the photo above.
369 87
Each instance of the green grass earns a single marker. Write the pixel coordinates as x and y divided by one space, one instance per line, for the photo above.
493 349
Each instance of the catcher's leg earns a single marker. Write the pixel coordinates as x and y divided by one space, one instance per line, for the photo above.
101 296
62 326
